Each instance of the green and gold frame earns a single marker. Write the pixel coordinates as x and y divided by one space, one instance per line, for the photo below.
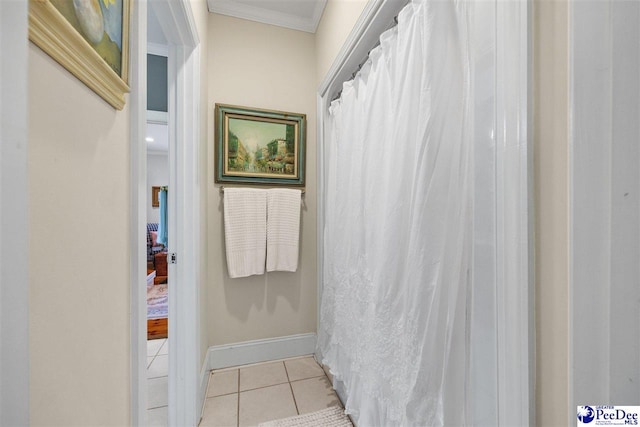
256 146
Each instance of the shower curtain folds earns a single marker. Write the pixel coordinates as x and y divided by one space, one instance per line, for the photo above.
397 236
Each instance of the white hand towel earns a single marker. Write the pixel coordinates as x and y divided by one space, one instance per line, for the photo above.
283 229
245 230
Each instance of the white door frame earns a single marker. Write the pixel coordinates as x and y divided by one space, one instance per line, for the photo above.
604 183
513 355
176 19
14 217
515 285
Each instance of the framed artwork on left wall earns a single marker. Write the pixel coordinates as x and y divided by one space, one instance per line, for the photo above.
90 38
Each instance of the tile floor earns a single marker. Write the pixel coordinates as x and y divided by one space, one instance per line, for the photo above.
157 382
249 395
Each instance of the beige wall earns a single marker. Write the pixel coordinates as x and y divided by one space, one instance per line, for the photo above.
551 172
338 20
79 251
261 66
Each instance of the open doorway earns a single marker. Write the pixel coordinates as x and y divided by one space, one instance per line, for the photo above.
157 283
156 229
176 23
157 196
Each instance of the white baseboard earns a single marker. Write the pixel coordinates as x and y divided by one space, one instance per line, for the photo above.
244 353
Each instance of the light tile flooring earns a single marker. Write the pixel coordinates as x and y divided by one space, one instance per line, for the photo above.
157 382
249 395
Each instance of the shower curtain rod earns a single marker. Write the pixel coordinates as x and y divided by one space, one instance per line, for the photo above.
353 75
222 190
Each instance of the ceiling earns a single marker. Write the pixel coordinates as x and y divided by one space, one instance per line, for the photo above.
160 135
303 15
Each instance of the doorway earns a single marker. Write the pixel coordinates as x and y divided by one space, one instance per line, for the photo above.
183 65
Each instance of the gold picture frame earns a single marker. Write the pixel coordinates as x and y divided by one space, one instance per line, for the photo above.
155 197
65 37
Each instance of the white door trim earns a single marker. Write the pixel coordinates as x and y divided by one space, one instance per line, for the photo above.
138 107
514 195
176 20
514 266
14 217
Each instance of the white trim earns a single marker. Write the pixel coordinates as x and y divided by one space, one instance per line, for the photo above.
14 217
157 49
516 358
138 197
317 14
322 108
177 11
245 353
184 140
185 329
604 239
176 20
514 267
157 117
266 16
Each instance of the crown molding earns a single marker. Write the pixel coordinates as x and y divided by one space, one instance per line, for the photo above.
266 16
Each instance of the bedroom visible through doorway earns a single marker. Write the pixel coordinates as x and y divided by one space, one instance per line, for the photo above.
157 272
157 221
157 239
157 189
178 38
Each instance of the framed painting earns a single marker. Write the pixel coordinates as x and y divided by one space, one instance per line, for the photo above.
90 38
155 197
259 146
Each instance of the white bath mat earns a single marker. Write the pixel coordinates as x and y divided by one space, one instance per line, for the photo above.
330 417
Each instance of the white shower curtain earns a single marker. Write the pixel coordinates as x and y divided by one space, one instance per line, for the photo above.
397 241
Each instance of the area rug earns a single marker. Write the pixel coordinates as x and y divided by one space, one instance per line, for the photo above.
157 302
330 417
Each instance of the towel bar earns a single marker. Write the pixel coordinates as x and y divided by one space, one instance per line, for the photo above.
222 190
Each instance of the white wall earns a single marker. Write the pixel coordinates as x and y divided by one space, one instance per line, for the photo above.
157 175
79 251
261 66
605 207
